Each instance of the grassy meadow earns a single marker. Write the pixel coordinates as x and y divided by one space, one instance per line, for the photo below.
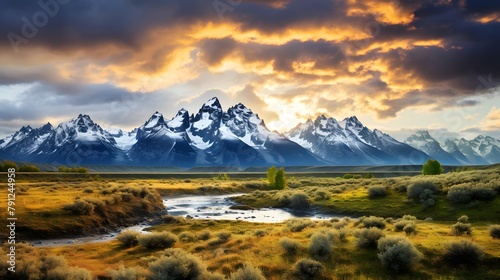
421 218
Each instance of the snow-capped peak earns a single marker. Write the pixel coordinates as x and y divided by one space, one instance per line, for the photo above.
155 120
180 122
213 103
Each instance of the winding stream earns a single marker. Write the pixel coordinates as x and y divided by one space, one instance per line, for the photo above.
216 207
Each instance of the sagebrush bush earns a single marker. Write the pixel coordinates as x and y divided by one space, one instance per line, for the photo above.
372 221
463 252
299 201
157 240
129 273
461 228
187 236
417 188
307 269
463 219
176 264
494 231
52 262
427 198
467 192
410 228
290 246
298 224
400 225
398 253
368 237
88 190
223 236
260 233
248 272
128 237
65 273
204 235
322 195
320 247
377 191
80 207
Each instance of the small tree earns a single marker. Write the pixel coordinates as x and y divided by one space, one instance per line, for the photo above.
280 181
8 165
29 168
432 167
271 175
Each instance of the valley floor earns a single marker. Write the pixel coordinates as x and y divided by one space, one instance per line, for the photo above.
221 248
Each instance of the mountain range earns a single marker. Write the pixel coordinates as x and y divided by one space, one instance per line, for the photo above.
236 137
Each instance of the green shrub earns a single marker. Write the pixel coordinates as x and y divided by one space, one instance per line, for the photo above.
157 240
129 273
299 201
176 264
80 207
432 167
397 253
9 165
494 231
368 237
377 191
372 221
29 168
368 175
298 224
280 182
463 252
321 246
307 269
348 176
290 246
416 189
222 177
128 237
248 272
271 176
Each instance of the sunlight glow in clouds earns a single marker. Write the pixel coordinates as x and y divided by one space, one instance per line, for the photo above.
291 59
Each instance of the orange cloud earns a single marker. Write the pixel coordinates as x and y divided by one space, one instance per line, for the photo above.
387 12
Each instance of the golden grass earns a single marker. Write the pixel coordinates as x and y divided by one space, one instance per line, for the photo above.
266 253
41 203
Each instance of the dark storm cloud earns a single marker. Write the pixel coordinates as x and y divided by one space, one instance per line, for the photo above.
447 72
323 54
87 23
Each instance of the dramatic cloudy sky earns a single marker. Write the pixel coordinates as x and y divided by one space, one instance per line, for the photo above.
398 65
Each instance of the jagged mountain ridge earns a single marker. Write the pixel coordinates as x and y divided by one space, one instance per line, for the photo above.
478 151
236 137
349 142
